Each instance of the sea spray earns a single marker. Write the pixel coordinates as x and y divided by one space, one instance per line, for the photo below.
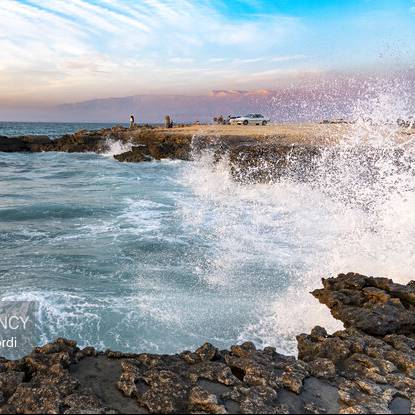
354 212
163 256
115 147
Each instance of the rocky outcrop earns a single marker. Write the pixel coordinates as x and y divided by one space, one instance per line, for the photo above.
157 149
147 143
372 362
376 306
367 368
137 154
81 142
268 162
23 143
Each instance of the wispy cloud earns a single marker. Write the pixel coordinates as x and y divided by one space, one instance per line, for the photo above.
180 60
69 50
89 42
272 73
287 58
247 61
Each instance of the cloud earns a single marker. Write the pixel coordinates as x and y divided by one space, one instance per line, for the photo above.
217 60
278 75
287 58
121 44
181 60
251 60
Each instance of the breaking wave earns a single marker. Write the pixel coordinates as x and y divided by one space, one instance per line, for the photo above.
163 256
354 212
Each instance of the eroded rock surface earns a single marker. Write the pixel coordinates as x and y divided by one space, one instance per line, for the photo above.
377 306
146 143
23 143
366 368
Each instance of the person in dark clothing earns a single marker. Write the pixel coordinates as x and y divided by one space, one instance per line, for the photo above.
132 121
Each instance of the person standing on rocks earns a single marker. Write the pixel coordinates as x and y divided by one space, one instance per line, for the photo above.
168 123
132 121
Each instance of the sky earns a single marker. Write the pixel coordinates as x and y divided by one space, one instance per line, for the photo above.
54 51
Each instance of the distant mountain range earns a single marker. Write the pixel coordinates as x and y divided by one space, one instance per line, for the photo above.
313 101
182 108
301 103
284 105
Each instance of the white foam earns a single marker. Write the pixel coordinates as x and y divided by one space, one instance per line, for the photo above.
355 215
116 147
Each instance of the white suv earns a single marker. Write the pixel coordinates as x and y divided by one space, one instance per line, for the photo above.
253 119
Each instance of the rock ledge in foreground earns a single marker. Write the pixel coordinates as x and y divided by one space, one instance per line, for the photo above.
364 369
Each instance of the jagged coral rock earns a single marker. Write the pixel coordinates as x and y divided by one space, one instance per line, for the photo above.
376 306
350 371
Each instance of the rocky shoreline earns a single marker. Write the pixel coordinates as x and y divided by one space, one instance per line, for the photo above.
369 367
147 143
250 157
293 150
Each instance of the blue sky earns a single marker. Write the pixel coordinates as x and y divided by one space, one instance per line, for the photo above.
66 51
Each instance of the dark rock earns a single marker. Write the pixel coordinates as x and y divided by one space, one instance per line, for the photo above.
9 381
170 148
30 143
34 400
148 143
207 352
202 400
350 371
269 162
376 306
135 155
322 368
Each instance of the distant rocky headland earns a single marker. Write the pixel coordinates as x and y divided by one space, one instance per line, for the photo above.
369 367
149 142
254 153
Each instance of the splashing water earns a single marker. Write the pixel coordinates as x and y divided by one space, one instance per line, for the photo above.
117 147
162 256
355 212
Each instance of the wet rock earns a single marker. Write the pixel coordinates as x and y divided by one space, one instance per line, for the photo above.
213 371
86 403
30 143
322 368
135 155
294 375
9 381
270 162
147 143
81 142
202 400
356 370
169 149
30 400
88 351
207 352
375 306
244 350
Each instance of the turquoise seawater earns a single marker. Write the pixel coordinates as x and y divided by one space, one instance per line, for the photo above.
113 256
51 129
163 256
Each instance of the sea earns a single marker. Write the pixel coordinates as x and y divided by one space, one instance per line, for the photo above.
163 256
51 129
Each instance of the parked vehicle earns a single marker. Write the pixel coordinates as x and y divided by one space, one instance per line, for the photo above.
231 118
252 119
